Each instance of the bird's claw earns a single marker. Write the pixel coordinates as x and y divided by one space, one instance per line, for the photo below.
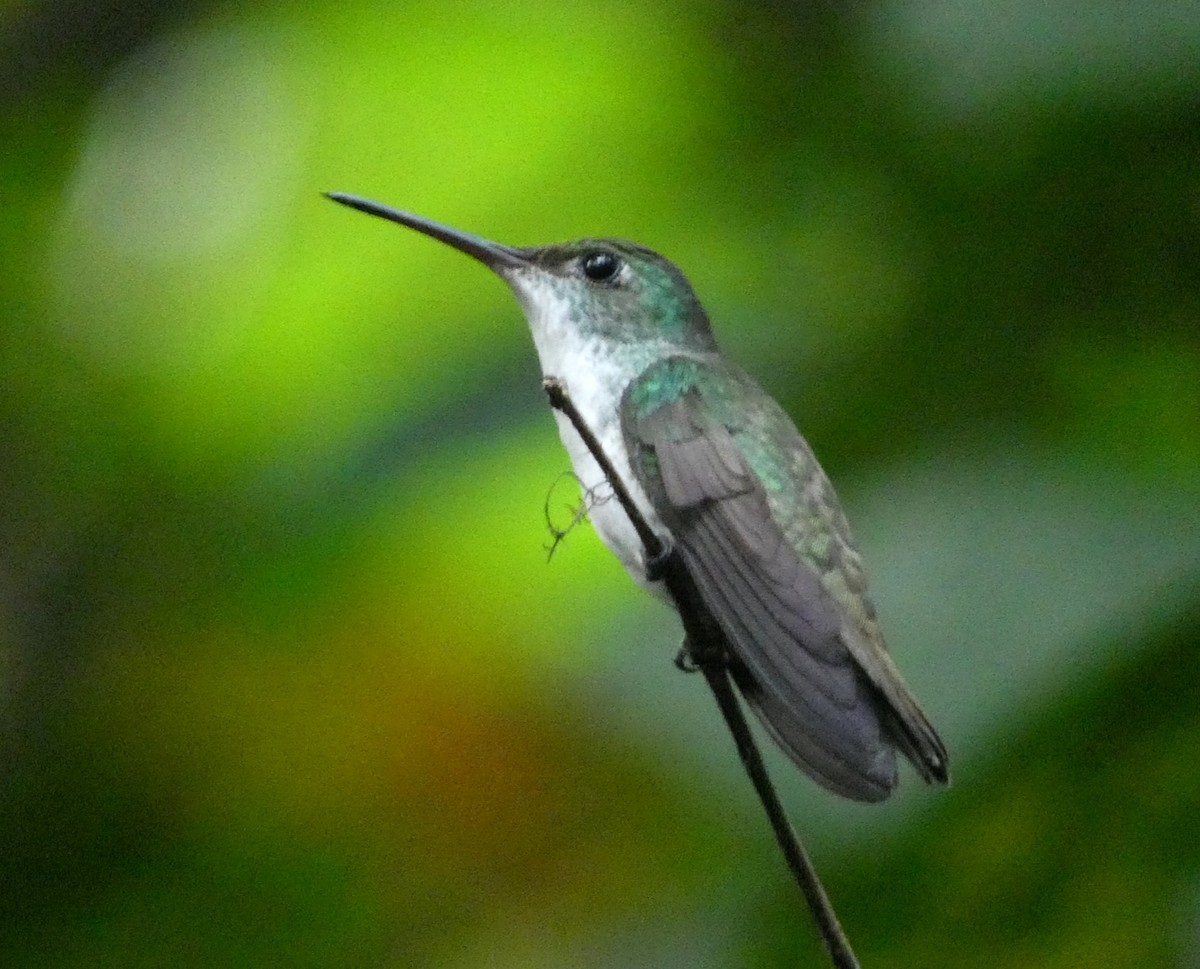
656 565
684 661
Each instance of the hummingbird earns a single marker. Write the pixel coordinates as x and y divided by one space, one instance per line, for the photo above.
721 474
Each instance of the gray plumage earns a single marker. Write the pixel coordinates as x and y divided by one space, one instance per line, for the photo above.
807 651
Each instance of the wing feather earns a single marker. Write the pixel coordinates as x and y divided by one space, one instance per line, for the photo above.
784 627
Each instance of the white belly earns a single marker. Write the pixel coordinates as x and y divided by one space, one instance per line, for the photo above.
595 382
604 509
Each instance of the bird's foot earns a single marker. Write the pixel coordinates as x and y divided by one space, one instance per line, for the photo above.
656 565
685 662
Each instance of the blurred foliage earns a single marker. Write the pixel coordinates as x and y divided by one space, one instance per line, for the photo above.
284 677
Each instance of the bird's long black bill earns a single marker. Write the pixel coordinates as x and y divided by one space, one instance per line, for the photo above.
491 254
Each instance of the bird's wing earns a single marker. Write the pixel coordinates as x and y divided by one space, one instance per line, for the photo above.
783 626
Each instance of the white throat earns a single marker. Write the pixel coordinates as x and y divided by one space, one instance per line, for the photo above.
596 372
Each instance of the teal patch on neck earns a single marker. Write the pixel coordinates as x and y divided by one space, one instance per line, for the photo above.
662 301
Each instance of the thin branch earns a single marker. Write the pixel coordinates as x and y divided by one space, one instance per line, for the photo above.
706 644
798 861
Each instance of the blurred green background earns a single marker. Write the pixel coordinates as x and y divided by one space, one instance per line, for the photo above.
285 679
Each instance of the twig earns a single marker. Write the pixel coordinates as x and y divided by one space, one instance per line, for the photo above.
798 861
706 644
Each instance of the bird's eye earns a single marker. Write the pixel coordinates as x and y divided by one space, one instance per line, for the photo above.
600 265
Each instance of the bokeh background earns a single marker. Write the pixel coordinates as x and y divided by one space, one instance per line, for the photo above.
285 677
